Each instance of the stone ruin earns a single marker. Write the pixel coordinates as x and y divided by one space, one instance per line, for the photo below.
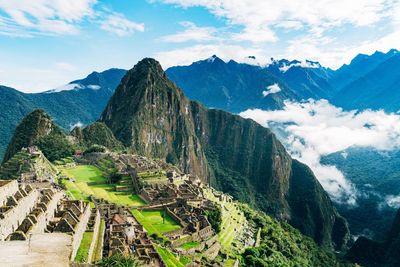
164 193
28 213
125 235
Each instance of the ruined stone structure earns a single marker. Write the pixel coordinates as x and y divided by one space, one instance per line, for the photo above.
164 193
27 213
124 235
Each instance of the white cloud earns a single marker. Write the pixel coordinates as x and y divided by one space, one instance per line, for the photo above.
317 128
191 33
45 16
66 87
259 17
332 53
393 201
119 25
187 55
78 124
272 89
302 64
27 18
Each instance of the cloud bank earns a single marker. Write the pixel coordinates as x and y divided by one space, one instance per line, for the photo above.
28 18
317 128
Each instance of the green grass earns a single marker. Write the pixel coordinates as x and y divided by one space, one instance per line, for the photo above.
170 259
152 221
83 250
232 221
98 249
89 180
189 245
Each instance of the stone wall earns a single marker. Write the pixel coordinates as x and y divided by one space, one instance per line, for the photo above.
79 230
44 218
7 188
96 229
14 217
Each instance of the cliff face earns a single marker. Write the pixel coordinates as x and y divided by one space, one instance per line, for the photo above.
151 115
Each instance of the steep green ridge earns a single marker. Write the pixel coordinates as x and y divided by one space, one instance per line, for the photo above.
282 245
378 254
37 128
97 134
152 116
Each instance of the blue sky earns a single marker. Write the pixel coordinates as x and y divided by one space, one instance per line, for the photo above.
47 43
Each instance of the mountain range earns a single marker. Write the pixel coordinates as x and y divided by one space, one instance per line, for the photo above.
367 82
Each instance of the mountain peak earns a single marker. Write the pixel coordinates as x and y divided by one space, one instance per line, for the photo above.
148 64
34 126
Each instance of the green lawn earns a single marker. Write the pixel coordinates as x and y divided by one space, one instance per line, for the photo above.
170 259
98 248
89 180
152 220
232 221
83 250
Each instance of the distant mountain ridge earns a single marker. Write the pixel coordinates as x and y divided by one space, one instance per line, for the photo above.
68 107
367 82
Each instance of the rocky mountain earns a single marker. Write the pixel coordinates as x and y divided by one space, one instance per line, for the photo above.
37 128
231 86
151 115
367 82
307 79
378 254
79 101
375 89
236 87
359 66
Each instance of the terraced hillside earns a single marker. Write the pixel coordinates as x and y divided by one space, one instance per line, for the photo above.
233 221
25 163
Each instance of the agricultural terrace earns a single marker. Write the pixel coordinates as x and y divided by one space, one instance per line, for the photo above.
90 180
232 221
172 260
156 221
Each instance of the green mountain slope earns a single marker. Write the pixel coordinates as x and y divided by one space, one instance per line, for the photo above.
37 128
152 116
